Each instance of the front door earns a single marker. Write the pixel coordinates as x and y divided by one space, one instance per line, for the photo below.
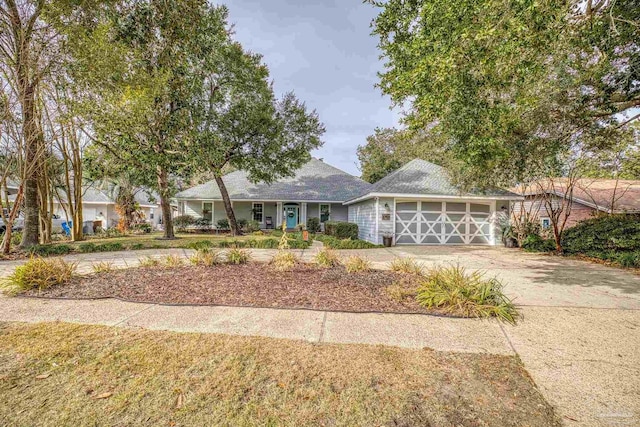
291 213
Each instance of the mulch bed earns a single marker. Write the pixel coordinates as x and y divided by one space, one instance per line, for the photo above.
254 284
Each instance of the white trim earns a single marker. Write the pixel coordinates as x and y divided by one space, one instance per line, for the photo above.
195 199
253 206
430 196
320 212
377 220
212 208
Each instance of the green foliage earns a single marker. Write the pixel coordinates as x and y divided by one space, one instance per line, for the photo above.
284 260
535 243
49 249
16 238
206 257
40 273
313 224
136 246
407 266
223 224
327 258
252 226
356 264
334 243
238 256
182 222
604 233
142 227
341 229
455 291
87 247
200 244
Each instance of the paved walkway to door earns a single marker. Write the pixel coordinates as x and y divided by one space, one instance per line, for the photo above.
579 338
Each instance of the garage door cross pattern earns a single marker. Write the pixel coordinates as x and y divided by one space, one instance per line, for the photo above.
455 223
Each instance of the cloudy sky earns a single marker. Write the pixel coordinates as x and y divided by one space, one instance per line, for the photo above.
323 51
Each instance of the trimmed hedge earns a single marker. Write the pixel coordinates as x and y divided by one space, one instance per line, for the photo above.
341 229
313 224
334 243
47 250
603 234
535 243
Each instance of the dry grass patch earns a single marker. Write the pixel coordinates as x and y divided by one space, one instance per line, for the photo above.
284 260
407 266
173 261
206 257
148 262
103 267
56 374
327 258
39 273
355 264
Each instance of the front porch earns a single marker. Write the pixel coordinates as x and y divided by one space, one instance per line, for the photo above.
269 214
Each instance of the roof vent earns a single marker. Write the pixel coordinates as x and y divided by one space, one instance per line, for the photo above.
321 159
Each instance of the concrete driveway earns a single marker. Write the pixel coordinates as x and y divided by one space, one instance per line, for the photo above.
579 336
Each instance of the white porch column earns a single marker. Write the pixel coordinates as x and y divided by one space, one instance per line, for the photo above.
278 223
303 213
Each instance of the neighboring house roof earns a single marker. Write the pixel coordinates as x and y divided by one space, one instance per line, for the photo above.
314 181
94 195
420 178
594 192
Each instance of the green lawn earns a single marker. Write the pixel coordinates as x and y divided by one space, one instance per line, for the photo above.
54 374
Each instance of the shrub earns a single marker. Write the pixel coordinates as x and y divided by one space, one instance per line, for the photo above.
200 244
206 257
604 233
202 224
182 222
313 224
173 261
334 243
284 261
327 258
136 246
16 238
40 273
144 227
102 267
468 294
355 264
535 243
148 262
242 223
223 224
109 247
258 233
46 250
238 256
87 247
406 266
341 229
252 226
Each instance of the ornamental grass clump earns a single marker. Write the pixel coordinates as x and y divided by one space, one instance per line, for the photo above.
238 256
356 264
407 266
284 260
206 257
456 291
39 273
148 262
173 261
327 258
102 267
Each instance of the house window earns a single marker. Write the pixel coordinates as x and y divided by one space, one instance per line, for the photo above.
325 212
150 213
257 210
545 223
207 211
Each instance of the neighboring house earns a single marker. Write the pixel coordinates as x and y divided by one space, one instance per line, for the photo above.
589 197
99 205
317 190
417 204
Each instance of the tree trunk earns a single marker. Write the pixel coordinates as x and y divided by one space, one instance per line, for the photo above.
30 233
8 222
165 203
231 216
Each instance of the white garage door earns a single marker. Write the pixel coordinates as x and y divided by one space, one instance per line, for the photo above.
424 223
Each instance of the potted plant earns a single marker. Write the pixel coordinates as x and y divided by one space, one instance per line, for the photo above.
387 240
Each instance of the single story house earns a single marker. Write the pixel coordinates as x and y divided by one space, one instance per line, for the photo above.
416 204
99 205
589 197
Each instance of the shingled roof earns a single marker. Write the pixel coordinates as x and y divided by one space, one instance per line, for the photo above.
314 181
422 178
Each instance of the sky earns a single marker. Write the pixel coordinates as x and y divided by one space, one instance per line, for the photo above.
321 50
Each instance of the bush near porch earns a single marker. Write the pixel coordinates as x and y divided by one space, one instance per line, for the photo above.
341 229
335 243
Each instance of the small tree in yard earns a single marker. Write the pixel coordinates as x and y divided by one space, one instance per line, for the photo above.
557 198
240 123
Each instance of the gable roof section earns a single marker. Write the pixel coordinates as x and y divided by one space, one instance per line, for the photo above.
314 181
596 193
421 178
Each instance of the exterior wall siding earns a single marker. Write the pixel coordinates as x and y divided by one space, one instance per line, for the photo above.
364 214
538 209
